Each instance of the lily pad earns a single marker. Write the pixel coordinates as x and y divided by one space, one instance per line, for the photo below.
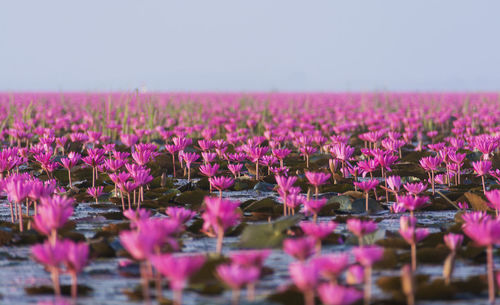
267 235
476 202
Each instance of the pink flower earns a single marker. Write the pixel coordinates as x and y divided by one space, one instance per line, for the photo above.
493 199
136 216
473 217
317 179
304 275
208 169
332 265
236 276
342 151
453 241
139 244
413 203
484 233
331 294
76 257
430 163
318 230
415 188
250 258
95 192
221 183
190 157
314 206
300 248
368 255
413 235
50 254
285 183
220 214
177 268
52 215
367 185
182 215
17 189
235 169
482 167
394 183
360 227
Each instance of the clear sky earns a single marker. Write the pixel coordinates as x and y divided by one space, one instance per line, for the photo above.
232 45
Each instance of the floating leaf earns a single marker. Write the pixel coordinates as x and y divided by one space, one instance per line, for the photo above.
477 202
267 235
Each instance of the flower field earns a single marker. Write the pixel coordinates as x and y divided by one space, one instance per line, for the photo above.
249 198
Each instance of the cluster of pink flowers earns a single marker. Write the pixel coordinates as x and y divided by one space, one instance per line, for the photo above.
305 143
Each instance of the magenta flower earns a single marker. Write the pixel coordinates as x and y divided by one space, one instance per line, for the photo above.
285 184
51 255
482 168
136 216
361 228
331 294
177 269
114 165
127 187
209 170
96 192
368 166
394 183
318 231
493 197
221 183
220 214
250 258
69 162
415 188
412 235
305 276
237 276
129 140
332 265
317 179
281 154
142 157
52 215
413 203
17 190
189 158
235 169
366 186
453 241
254 155
485 233
431 164
139 244
172 149
367 256
475 217
76 258
314 206
182 215
300 248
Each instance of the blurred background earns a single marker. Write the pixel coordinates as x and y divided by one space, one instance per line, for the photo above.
258 45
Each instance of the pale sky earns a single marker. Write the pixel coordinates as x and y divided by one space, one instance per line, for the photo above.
252 45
